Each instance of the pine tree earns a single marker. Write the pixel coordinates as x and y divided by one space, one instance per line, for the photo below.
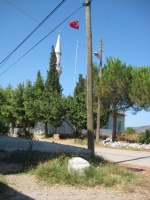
140 92
115 88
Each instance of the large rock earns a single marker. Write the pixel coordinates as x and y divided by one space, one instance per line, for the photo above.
79 165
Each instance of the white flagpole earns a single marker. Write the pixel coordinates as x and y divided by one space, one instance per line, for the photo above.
76 58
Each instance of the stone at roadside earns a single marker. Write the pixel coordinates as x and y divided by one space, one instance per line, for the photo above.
108 142
78 165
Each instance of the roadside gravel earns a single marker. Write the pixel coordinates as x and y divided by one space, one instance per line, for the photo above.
27 187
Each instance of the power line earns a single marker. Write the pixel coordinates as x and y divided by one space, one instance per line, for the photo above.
42 39
21 10
108 17
7 57
32 18
24 12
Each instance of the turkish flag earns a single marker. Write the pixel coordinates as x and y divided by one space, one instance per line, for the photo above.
74 24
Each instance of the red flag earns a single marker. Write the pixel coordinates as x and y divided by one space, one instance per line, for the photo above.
74 24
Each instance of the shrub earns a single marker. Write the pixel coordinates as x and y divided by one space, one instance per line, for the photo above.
25 134
144 137
65 136
130 131
3 128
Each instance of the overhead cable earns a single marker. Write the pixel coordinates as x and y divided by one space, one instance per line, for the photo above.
108 17
42 39
7 57
31 17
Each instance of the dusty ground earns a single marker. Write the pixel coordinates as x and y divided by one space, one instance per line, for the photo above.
27 187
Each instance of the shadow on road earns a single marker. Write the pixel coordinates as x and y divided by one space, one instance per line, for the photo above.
18 155
7 192
122 161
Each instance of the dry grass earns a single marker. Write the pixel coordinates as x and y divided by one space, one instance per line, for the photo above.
103 174
128 137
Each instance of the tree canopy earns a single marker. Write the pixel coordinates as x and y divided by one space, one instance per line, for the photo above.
115 87
140 87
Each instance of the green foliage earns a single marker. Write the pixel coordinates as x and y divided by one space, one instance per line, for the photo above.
38 87
28 98
80 86
115 87
53 169
104 111
109 175
140 92
130 131
1 97
116 83
79 115
17 105
25 134
74 112
74 108
52 82
144 138
51 107
6 109
122 87
4 129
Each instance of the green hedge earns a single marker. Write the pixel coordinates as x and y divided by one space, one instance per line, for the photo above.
144 138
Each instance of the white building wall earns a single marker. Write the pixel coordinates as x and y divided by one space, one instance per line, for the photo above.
39 128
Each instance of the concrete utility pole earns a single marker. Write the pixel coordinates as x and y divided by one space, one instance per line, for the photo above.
89 78
99 56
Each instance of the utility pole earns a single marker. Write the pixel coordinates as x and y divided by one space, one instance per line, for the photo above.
89 78
99 100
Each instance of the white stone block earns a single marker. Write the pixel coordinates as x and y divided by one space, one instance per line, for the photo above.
78 164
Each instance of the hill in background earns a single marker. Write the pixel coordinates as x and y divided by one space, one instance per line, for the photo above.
140 128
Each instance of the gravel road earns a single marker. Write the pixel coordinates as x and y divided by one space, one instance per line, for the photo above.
27 187
140 158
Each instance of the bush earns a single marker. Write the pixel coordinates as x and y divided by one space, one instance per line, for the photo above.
65 136
25 134
3 128
130 131
144 138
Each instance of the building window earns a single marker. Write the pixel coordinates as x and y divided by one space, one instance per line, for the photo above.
119 125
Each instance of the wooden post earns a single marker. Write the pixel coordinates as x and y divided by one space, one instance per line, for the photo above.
89 78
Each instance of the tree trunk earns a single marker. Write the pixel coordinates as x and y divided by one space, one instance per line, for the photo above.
114 125
46 129
11 129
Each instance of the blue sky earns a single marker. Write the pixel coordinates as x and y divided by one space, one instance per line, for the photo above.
123 25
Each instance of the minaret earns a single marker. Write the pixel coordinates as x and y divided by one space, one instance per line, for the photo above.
58 55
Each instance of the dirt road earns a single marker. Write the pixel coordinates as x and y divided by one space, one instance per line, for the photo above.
139 158
27 187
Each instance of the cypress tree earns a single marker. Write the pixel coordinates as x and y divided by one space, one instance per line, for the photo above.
52 82
52 95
